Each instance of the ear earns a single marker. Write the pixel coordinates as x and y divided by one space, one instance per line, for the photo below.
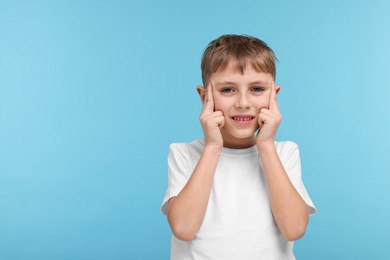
277 88
202 92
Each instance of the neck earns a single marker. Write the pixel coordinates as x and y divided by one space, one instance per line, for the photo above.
238 143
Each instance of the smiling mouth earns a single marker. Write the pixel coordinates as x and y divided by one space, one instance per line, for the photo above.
242 119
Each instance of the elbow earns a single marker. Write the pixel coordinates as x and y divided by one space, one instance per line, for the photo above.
293 234
183 233
295 231
181 230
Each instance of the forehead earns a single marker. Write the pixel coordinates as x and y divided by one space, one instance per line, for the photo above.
233 73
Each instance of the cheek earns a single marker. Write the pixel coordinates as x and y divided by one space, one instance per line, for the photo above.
220 104
261 103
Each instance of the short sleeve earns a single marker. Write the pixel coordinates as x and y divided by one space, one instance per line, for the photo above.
179 171
290 158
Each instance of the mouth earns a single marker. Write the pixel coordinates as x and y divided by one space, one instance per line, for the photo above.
243 119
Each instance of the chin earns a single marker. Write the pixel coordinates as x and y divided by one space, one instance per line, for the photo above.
242 134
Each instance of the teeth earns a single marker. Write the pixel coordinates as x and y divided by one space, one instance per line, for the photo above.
242 118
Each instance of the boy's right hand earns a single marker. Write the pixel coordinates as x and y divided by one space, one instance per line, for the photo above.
211 120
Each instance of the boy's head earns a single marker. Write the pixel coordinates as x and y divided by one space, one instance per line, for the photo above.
241 72
239 51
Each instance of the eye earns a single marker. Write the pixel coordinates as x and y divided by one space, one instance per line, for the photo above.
257 89
227 90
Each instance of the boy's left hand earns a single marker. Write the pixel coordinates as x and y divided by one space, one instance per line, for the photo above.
269 120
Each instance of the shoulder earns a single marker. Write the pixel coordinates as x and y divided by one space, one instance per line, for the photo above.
286 145
287 149
187 148
185 154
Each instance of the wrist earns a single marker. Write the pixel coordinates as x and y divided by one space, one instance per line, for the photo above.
266 146
213 148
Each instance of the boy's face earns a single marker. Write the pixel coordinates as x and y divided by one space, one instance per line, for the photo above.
240 97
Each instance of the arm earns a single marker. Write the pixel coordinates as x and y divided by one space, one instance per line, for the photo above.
288 207
186 211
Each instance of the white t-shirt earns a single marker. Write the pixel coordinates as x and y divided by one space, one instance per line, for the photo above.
238 222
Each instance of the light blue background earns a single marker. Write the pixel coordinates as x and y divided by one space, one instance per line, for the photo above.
93 92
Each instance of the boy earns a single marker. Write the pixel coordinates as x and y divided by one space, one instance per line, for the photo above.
236 194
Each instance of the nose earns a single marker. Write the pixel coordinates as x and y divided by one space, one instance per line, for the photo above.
243 101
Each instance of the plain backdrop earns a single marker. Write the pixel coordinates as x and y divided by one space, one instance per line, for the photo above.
93 92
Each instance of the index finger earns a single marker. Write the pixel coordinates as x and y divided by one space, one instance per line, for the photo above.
273 102
209 103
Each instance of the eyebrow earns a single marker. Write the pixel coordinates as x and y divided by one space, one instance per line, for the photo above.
225 83
260 82
257 82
